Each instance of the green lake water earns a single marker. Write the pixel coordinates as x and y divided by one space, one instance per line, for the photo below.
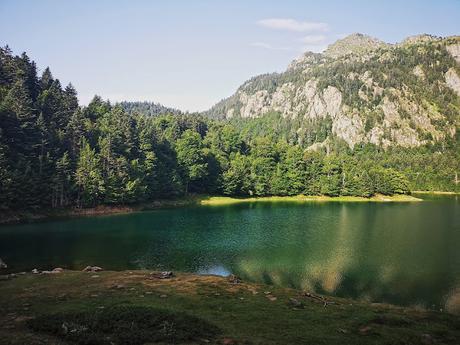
402 253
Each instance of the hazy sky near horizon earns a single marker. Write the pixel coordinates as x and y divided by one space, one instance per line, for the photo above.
191 54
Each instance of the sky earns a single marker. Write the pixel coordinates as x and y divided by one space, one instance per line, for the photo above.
191 54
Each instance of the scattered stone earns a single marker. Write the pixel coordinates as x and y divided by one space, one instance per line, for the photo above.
3 264
163 296
35 271
272 298
141 296
365 330
95 276
341 330
267 292
148 292
217 294
92 269
56 270
233 279
229 341
427 339
23 318
295 303
132 289
162 275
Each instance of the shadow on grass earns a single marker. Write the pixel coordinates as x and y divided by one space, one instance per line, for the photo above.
124 325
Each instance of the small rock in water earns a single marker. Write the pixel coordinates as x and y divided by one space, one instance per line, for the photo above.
162 275
3 264
163 296
272 298
35 271
229 341
92 269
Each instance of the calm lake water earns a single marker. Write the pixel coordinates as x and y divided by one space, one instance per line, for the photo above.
402 253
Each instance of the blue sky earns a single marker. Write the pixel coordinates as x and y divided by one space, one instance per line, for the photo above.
191 54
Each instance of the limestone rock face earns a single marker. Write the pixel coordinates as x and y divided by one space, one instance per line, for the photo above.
454 50
361 90
453 80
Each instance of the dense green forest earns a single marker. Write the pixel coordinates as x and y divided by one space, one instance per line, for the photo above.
55 153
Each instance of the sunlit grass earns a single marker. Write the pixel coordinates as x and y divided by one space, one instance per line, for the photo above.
222 200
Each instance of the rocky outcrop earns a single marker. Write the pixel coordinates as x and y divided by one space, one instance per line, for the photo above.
454 50
453 80
360 91
354 44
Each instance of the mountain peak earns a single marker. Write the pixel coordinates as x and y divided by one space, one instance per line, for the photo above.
355 43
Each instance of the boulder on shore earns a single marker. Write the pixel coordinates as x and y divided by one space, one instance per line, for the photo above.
162 275
3 264
54 271
92 269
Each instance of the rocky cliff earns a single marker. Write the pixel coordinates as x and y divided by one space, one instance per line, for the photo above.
361 90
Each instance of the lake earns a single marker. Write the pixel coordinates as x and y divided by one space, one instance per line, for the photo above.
401 253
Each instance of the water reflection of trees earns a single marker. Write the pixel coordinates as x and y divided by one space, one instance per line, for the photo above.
362 251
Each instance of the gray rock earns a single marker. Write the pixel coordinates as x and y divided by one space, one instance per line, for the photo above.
35 271
92 269
295 303
233 279
162 275
3 264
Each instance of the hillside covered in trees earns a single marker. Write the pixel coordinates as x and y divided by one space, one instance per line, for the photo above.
55 153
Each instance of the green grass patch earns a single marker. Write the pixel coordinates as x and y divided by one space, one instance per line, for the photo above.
223 200
121 325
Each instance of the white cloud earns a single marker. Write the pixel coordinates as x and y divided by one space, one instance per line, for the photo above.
289 24
313 40
268 46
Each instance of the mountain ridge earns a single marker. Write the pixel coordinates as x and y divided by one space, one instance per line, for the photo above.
363 91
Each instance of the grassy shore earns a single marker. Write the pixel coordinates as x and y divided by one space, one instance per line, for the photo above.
434 192
24 216
221 200
136 308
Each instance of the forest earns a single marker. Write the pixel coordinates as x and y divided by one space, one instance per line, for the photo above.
55 153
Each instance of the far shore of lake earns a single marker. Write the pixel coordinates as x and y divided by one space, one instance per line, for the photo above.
26 216
223 200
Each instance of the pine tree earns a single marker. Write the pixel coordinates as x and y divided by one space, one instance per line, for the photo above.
88 176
